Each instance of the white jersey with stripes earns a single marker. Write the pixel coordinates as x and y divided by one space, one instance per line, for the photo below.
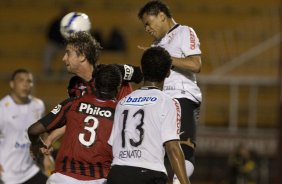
181 41
144 121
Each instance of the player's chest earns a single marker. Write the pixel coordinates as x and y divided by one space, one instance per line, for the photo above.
22 117
172 45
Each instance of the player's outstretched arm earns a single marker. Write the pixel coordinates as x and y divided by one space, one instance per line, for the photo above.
176 158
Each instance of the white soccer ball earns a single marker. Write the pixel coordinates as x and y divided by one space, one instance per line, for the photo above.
74 22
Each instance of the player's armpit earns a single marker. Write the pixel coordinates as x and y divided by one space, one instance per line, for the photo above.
188 142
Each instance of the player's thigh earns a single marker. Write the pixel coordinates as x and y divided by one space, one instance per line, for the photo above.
129 175
189 118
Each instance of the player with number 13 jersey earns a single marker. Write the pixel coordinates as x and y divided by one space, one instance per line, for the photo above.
141 134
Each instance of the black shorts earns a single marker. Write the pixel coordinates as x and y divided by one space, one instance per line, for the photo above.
39 178
190 112
135 175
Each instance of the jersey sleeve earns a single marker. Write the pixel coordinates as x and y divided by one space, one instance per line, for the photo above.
56 117
171 122
190 44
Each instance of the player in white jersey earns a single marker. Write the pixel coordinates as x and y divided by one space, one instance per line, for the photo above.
146 125
183 45
18 111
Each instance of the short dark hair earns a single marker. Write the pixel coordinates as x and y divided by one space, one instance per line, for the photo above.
17 71
154 8
107 79
85 44
155 63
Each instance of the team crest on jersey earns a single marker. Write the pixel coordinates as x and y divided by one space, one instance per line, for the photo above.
56 109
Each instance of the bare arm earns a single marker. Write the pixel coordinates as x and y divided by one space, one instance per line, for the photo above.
34 132
55 135
177 162
190 63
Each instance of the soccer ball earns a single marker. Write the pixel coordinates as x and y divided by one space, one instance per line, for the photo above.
74 22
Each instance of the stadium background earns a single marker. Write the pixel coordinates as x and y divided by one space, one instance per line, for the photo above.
240 42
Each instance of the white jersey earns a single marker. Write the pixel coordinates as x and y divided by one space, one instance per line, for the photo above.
15 156
144 121
180 42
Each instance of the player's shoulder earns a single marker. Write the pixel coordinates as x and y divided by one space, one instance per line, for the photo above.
36 101
183 29
6 101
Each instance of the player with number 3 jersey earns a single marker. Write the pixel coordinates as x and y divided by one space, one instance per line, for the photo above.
84 155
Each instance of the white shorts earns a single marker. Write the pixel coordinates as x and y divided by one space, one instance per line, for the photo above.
58 178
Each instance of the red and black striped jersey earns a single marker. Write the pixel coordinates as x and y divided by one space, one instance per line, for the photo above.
81 87
84 153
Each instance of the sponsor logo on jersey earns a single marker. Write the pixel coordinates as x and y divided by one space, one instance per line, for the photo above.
95 110
130 154
192 40
57 109
140 101
22 146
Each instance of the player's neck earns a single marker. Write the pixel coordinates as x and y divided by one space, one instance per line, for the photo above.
86 72
158 85
171 23
19 100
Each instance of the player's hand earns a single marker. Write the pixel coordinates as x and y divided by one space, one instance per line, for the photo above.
47 148
35 149
142 47
130 73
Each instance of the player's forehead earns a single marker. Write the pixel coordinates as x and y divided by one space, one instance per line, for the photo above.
148 18
23 75
70 47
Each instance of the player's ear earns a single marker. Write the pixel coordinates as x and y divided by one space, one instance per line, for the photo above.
162 16
12 84
82 57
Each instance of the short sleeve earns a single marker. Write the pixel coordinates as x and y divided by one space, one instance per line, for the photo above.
56 117
190 42
171 122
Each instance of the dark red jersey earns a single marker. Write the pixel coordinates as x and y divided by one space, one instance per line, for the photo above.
81 87
84 153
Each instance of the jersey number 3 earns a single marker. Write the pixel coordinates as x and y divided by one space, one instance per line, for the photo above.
90 129
138 127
